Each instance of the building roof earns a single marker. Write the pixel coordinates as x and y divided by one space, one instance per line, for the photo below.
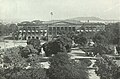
74 22
89 23
87 18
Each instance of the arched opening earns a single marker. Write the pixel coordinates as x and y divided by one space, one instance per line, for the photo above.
37 37
29 37
33 37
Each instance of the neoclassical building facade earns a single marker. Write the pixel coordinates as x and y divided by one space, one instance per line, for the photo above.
32 31
50 29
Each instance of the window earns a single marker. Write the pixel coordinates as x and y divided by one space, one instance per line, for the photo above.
65 28
69 28
73 28
50 28
62 28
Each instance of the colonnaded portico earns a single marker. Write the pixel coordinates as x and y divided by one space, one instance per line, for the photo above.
51 29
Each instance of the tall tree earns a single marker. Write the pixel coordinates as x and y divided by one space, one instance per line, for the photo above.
81 39
61 44
63 68
107 68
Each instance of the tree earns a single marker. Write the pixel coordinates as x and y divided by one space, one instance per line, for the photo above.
80 39
118 49
25 52
114 30
66 41
109 36
63 68
16 68
53 47
61 44
70 35
103 49
35 43
28 74
15 59
4 28
13 28
100 38
106 39
107 68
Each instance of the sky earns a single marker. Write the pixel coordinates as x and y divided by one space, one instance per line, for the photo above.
22 10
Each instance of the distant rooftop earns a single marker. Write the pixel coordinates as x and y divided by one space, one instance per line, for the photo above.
91 19
87 18
26 23
77 20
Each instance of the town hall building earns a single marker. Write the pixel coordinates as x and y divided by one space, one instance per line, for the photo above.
54 28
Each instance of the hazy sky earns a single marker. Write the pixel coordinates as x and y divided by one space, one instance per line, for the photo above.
18 10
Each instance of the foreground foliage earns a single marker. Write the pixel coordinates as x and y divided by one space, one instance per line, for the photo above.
17 67
81 39
61 44
103 49
107 68
63 68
